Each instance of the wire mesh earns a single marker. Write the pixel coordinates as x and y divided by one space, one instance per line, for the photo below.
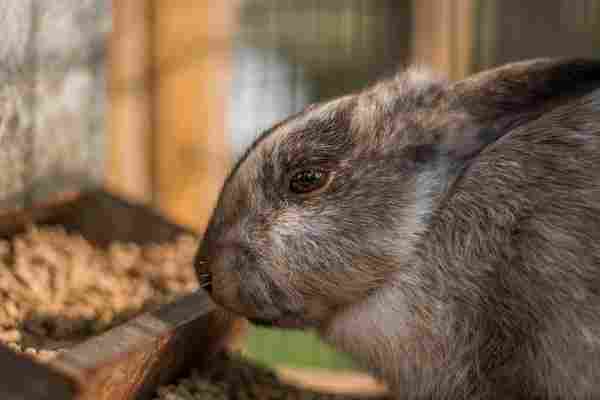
291 53
51 96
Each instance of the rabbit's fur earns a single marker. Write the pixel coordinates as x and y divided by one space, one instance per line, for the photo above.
455 249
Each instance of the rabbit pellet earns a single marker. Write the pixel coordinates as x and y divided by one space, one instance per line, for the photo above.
56 288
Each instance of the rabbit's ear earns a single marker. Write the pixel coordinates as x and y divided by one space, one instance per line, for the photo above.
504 98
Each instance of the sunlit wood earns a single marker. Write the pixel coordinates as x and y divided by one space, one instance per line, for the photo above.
443 35
129 166
192 77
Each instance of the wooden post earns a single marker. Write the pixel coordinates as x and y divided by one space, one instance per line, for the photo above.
443 35
192 78
129 169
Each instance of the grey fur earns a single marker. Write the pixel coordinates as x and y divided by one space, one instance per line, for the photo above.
455 250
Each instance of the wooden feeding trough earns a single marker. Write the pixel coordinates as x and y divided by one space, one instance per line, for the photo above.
131 360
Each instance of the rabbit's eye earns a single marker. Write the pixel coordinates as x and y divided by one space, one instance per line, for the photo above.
308 180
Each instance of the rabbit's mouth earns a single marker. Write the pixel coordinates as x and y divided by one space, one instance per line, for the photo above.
285 322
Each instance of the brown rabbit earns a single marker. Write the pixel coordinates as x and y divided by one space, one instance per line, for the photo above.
447 235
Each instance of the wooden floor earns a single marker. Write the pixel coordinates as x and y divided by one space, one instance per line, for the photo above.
338 382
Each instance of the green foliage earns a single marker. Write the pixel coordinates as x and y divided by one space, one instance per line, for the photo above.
294 349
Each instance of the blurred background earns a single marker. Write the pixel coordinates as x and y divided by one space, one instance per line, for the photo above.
154 99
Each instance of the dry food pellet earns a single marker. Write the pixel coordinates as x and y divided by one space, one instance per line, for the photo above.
56 288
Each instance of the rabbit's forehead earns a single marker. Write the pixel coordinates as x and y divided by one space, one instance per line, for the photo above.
312 122
359 120
298 135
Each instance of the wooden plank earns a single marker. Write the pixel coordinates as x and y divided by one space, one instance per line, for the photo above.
349 383
443 35
97 215
192 78
103 218
133 359
485 34
25 379
129 166
463 23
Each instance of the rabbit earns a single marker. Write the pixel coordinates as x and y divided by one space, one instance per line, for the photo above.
444 234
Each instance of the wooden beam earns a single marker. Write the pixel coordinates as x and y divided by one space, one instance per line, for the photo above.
192 79
345 383
129 166
132 360
443 35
